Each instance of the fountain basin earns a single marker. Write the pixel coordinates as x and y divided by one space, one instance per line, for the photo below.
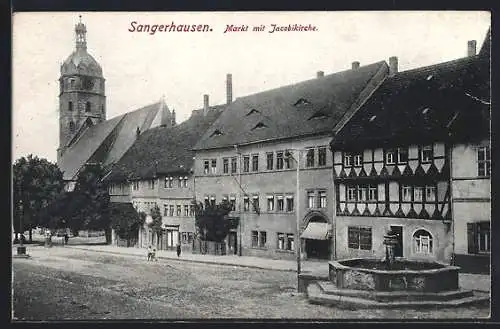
371 275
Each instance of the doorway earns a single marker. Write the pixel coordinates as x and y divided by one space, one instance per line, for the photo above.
319 249
398 250
233 243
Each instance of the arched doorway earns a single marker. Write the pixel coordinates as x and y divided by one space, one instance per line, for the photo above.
316 238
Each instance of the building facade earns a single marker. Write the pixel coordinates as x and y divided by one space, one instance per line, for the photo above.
250 156
408 162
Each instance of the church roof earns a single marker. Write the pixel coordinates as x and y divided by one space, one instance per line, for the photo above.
306 108
164 150
438 102
106 142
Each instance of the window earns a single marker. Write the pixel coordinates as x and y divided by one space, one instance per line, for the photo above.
418 193
285 241
170 182
351 193
390 157
288 158
280 203
102 109
135 185
179 210
422 242
255 162
171 210
255 239
372 193
279 160
430 193
359 237
71 126
246 163
289 203
234 165
212 200
225 165
262 239
322 199
184 238
191 210
402 155
206 166
311 200
70 106
186 210
232 201
246 203
255 201
165 210
270 203
224 198
478 237
151 184
269 163
207 201
427 153
362 193
185 182
166 182
406 192
87 107
358 160
483 161
310 158
322 156
214 166
347 160
179 182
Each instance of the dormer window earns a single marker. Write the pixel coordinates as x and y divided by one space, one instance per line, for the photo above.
319 115
259 125
252 111
426 110
373 118
302 102
429 77
217 132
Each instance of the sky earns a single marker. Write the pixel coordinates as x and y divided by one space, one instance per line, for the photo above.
140 68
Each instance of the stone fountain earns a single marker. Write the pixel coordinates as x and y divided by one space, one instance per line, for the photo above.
391 283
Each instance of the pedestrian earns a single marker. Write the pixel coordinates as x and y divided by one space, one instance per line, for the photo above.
150 253
66 238
153 255
178 250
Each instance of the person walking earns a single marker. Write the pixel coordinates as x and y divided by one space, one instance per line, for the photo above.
66 238
178 250
153 255
150 253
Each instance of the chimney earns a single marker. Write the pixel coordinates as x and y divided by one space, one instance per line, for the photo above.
229 88
320 74
205 104
173 118
355 65
471 48
393 65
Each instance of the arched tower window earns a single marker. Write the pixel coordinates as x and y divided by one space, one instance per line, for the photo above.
422 242
87 107
70 106
71 127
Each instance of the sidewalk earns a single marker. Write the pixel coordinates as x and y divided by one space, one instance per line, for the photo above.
315 267
467 281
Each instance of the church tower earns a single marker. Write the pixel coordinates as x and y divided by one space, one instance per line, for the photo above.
82 101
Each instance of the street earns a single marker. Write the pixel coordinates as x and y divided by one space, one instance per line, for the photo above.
62 283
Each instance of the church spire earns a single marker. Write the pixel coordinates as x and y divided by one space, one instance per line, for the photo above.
80 33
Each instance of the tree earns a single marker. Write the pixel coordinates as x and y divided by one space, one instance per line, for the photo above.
89 202
36 183
156 223
212 221
125 220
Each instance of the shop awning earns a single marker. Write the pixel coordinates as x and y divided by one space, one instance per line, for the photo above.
315 231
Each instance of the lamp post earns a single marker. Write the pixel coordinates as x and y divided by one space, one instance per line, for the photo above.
298 243
21 249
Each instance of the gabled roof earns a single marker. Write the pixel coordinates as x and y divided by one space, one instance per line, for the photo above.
307 108
107 141
438 102
164 150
